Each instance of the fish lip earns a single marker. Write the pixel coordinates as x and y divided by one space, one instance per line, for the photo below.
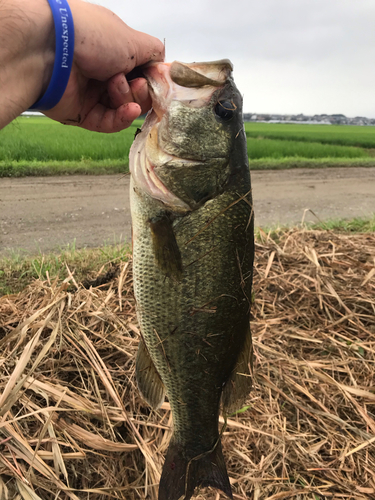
193 82
143 71
190 83
217 72
160 93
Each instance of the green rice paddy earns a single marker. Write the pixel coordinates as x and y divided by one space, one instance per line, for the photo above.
340 135
277 148
40 146
42 139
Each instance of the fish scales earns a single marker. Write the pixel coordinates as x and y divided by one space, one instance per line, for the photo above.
192 281
196 319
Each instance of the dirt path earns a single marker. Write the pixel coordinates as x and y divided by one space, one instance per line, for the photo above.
49 212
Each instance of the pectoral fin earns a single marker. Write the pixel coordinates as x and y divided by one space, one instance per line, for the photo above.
166 251
239 385
149 382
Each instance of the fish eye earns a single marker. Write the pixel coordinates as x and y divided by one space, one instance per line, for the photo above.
225 110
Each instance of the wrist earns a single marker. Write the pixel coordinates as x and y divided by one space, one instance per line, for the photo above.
64 51
27 52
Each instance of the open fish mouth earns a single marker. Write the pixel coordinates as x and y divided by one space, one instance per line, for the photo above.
170 85
192 84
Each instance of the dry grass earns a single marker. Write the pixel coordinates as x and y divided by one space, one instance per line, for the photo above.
72 424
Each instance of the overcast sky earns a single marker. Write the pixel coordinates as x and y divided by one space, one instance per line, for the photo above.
289 56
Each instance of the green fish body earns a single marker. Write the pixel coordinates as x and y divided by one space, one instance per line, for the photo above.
193 255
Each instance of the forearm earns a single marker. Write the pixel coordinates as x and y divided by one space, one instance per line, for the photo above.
27 51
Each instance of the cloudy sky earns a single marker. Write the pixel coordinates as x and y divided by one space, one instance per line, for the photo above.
289 56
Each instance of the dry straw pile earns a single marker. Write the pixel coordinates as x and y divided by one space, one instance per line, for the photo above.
72 425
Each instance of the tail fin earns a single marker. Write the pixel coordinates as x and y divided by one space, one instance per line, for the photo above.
180 477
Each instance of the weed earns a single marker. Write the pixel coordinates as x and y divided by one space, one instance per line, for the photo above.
18 270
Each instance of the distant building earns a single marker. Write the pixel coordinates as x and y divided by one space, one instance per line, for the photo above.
324 119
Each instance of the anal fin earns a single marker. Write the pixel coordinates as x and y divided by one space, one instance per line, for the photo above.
148 379
239 385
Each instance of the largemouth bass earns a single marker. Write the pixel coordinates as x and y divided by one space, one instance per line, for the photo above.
193 255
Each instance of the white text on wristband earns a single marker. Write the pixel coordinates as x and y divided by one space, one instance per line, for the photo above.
64 36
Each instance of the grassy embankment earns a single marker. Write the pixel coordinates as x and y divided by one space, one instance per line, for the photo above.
18 270
73 419
39 146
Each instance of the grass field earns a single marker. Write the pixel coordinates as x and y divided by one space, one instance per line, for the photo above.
343 135
74 424
42 139
277 148
39 146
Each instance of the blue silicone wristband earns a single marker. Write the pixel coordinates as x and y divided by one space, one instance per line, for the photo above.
64 31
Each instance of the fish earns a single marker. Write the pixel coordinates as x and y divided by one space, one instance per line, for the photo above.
193 251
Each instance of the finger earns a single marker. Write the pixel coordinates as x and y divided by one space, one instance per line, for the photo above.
119 91
141 95
146 48
102 119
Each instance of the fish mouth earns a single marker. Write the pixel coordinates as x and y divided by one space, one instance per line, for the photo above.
192 84
170 81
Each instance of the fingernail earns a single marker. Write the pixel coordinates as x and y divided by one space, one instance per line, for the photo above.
123 85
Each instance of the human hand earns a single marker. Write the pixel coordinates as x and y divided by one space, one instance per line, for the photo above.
98 96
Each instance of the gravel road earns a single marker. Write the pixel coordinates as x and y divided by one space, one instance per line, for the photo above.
46 213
